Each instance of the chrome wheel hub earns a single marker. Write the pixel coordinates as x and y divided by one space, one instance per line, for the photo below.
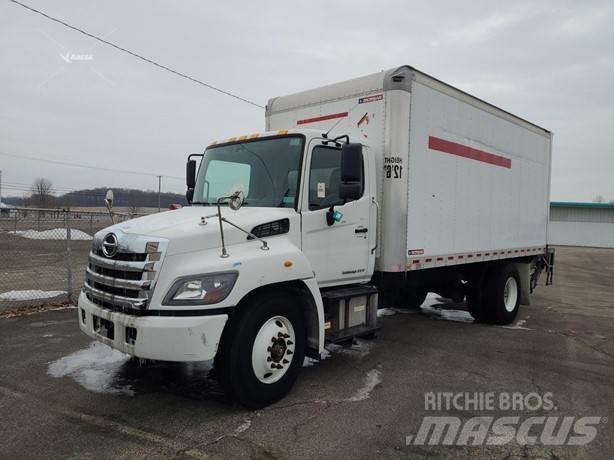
510 294
273 349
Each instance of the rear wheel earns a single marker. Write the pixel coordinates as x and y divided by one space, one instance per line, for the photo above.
502 294
475 302
260 358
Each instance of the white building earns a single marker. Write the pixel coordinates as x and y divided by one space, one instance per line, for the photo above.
581 224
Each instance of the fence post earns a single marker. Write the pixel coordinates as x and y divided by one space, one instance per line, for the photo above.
68 252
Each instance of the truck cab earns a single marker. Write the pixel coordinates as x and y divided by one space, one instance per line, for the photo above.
281 224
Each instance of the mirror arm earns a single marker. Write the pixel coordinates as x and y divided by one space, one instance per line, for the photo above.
264 247
220 218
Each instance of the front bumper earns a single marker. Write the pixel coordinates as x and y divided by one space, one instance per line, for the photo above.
161 338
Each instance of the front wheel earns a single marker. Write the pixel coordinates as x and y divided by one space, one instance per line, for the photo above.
262 355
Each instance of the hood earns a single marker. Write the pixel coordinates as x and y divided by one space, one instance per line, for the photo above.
184 231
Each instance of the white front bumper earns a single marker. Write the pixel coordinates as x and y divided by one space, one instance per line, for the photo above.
162 338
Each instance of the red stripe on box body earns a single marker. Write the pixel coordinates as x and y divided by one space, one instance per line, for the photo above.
441 145
332 116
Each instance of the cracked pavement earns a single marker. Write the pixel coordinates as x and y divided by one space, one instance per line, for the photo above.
357 403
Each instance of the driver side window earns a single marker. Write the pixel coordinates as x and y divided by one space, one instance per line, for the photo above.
324 178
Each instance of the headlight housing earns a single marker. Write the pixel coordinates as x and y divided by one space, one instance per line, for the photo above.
201 289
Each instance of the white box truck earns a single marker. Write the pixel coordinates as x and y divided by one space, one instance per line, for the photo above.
366 193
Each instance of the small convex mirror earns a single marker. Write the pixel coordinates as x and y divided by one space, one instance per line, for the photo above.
108 199
237 197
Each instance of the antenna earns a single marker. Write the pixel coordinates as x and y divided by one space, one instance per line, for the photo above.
340 120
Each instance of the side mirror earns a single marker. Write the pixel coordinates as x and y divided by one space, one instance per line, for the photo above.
190 174
351 171
189 195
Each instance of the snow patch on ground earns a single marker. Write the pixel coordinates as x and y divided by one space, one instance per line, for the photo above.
54 234
243 427
518 325
308 362
94 368
433 304
385 312
373 379
30 294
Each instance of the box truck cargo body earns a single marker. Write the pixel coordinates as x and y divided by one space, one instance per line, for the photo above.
361 194
459 180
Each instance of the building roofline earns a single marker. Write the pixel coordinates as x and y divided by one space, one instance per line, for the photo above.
576 204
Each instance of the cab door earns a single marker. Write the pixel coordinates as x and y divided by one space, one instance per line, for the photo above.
341 253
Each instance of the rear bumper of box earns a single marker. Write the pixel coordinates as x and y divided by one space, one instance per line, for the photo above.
162 338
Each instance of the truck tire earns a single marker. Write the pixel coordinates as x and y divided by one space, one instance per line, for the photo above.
501 294
413 298
260 359
475 303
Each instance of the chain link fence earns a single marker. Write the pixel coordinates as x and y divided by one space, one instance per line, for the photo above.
43 254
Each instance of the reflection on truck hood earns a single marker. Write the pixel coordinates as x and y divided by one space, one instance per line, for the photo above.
184 231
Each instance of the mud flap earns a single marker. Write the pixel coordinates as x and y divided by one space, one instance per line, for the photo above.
524 271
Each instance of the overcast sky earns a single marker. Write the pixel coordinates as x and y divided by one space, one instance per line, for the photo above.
551 62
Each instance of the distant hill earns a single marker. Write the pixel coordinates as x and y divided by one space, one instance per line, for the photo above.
123 197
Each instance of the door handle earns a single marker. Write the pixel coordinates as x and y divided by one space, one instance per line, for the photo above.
361 230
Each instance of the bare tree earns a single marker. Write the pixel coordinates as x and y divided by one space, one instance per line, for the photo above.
42 190
599 199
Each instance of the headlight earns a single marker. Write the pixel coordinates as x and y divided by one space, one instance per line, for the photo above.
201 289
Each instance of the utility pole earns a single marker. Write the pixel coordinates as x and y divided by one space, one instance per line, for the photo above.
159 192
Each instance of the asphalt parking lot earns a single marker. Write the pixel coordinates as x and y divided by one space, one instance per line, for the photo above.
62 396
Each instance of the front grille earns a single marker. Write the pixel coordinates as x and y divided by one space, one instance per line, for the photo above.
121 274
118 308
123 283
127 256
132 293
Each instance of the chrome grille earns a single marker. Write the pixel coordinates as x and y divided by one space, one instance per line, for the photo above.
125 281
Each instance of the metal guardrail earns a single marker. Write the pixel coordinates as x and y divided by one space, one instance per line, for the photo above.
44 253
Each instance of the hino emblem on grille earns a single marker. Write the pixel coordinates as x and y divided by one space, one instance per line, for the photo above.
110 245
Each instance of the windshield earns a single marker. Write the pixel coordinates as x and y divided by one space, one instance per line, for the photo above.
265 170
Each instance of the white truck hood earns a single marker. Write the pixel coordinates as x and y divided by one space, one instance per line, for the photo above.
184 231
